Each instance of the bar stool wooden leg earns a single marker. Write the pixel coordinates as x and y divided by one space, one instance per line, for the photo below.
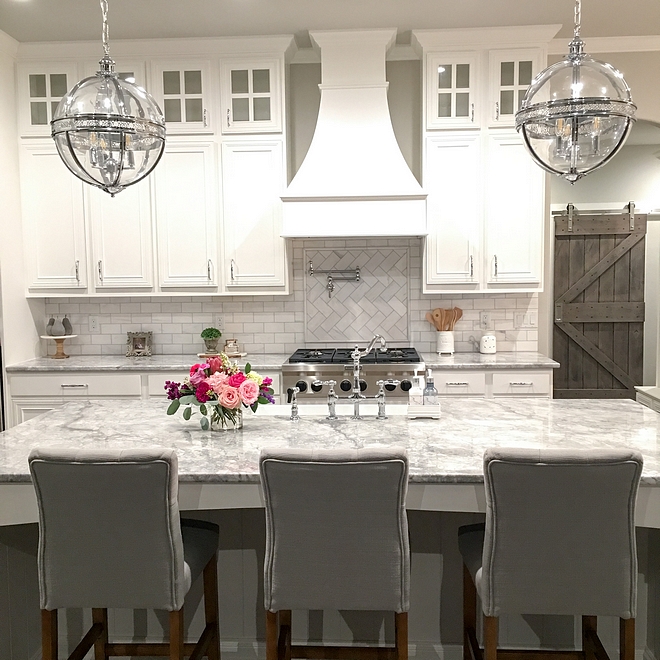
176 635
401 635
271 635
100 615
589 626
284 640
627 639
49 634
490 637
469 613
211 606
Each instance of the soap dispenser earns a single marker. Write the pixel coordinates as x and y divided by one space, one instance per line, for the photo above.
430 393
416 393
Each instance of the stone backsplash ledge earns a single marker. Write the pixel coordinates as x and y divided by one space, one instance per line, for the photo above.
280 324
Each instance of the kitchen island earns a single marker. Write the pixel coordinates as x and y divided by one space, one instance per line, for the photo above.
219 470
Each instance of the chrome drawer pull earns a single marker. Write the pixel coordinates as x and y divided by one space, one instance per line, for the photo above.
521 384
72 385
457 384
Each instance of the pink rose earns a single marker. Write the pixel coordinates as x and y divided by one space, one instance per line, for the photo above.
237 379
249 391
215 364
228 397
217 381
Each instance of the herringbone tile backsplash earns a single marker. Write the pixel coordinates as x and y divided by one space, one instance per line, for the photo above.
353 311
388 300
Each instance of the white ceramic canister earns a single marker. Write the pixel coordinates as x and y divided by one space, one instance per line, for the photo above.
488 344
445 342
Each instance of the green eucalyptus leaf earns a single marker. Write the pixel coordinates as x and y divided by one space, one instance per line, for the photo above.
204 423
248 368
187 413
188 399
254 406
262 400
173 407
202 409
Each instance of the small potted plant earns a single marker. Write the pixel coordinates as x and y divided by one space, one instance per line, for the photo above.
211 337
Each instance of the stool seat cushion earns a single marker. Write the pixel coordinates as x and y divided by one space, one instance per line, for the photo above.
200 542
471 547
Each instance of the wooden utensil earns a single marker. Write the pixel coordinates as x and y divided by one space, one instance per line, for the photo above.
431 320
438 317
458 315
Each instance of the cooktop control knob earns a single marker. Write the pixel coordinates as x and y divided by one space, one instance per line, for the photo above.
345 386
406 385
301 385
363 385
317 386
390 387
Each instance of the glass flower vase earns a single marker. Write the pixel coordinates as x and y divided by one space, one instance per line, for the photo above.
232 420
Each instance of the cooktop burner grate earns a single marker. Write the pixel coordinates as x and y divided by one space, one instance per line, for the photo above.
343 356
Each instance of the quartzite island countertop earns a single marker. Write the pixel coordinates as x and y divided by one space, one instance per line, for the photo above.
220 469
265 361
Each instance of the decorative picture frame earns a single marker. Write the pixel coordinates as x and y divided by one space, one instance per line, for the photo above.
138 344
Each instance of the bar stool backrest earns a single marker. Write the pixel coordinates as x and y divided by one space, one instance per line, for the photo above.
560 532
336 529
109 525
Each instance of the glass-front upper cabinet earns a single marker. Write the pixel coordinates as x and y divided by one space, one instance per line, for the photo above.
42 86
182 91
451 97
511 73
251 96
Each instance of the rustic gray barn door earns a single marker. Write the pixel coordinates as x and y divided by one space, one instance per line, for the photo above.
599 303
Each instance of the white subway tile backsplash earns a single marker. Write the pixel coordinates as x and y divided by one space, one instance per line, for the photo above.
394 303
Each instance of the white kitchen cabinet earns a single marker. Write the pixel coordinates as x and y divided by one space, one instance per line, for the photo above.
452 179
184 93
252 95
514 212
489 384
53 220
186 217
452 82
41 86
510 75
255 255
122 254
522 383
33 394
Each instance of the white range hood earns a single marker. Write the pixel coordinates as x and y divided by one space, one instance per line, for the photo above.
354 180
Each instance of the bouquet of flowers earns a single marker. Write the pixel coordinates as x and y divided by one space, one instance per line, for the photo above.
220 390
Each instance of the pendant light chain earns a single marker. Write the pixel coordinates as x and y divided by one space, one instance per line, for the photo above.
104 34
577 19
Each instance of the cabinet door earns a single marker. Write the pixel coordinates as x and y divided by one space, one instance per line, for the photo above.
40 89
121 236
186 218
511 73
182 90
252 181
514 214
452 179
251 96
451 90
53 220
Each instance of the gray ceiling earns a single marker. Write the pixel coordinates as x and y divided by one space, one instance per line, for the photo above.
69 20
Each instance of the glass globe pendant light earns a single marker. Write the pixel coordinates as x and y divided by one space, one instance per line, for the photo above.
109 132
577 113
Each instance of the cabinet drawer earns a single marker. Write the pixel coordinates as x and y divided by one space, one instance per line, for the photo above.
521 383
76 384
460 383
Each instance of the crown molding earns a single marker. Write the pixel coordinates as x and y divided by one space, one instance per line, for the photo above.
641 44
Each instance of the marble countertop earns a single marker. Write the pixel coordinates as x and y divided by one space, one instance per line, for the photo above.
525 360
447 450
503 360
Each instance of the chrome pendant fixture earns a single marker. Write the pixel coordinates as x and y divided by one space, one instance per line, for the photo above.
109 132
577 113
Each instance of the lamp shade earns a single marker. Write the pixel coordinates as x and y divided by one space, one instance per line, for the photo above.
576 115
109 132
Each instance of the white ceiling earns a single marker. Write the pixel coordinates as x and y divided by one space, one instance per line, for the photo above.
69 20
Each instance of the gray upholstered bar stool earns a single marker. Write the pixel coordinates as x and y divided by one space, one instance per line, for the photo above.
110 536
336 538
559 538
